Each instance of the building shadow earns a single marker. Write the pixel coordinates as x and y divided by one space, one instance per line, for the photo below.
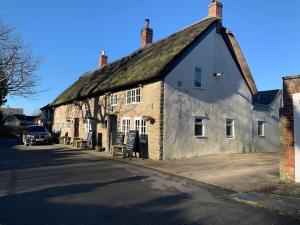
37 208
12 158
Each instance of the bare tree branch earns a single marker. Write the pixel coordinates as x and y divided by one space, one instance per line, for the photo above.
17 65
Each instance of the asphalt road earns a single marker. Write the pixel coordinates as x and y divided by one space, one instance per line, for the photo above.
48 185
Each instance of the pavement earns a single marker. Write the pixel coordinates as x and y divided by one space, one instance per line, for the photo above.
254 178
56 185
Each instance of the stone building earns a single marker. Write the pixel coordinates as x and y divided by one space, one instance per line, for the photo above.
190 94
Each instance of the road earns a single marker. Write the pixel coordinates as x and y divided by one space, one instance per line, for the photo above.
47 185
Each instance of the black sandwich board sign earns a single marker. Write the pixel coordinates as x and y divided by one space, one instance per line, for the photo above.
133 144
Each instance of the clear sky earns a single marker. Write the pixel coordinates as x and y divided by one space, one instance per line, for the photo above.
70 35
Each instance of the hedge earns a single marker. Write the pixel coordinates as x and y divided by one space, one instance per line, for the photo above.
11 132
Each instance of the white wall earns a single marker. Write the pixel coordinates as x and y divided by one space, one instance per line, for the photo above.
271 141
221 97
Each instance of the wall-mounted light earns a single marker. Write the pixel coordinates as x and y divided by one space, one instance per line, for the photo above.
218 74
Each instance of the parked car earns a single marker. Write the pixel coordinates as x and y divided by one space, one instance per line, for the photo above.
36 135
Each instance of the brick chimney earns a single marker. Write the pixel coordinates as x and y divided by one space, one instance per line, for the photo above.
146 34
215 9
103 59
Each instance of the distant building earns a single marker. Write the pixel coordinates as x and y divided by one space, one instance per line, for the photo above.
46 117
9 111
19 120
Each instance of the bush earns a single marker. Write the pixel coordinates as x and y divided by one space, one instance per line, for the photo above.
11 132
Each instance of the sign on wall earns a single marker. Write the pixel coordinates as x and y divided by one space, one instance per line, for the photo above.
296 103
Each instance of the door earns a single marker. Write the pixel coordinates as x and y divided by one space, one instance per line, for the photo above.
296 103
113 127
76 128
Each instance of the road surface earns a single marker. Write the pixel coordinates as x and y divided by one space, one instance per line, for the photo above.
47 185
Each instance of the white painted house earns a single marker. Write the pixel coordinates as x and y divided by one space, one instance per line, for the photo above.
207 102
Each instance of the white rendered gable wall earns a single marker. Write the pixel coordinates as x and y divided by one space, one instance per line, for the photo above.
220 98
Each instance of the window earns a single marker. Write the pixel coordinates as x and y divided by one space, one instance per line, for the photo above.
261 128
133 96
198 77
126 126
140 126
68 123
199 127
229 128
113 99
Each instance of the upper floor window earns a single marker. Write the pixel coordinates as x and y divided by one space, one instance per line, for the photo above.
133 96
229 128
199 127
261 128
198 77
113 99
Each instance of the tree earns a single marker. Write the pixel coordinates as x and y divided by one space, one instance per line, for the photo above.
17 65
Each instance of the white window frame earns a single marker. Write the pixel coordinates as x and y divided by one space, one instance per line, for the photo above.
262 128
140 125
113 99
232 136
125 128
133 96
202 123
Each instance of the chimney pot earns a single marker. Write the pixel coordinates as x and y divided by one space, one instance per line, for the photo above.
215 9
146 34
103 59
147 21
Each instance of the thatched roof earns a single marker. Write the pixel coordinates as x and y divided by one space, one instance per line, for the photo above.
141 66
145 65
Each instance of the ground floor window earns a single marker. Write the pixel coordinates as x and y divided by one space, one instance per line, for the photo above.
125 126
140 126
199 127
261 128
229 128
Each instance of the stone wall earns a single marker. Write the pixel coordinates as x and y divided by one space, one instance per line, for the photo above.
96 108
291 85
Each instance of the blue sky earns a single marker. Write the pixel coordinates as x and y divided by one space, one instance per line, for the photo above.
70 35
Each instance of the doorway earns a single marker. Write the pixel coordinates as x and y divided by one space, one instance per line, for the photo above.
76 127
112 129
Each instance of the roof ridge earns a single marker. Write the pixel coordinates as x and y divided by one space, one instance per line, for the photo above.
150 45
142 65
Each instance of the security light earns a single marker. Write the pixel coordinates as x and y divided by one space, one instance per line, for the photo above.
218 74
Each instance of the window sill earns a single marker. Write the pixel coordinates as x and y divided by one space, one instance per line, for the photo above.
135 103
200 137
199 88
230 138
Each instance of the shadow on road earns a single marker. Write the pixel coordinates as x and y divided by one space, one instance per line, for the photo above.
12 158
37 208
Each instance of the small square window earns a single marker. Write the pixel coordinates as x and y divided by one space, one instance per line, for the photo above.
229 128
261 128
